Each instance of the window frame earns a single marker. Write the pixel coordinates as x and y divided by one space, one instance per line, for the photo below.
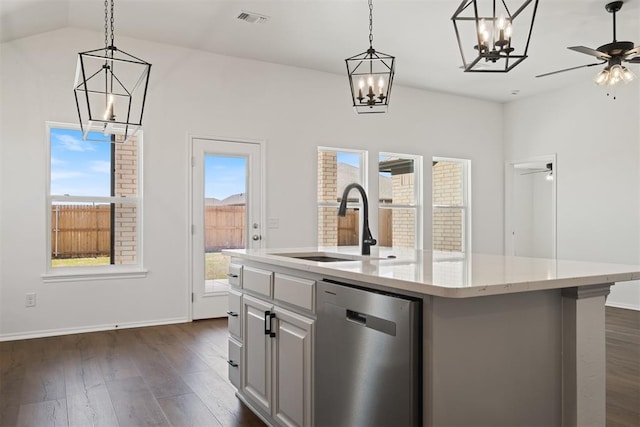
418 194
60 274
364 174
465 207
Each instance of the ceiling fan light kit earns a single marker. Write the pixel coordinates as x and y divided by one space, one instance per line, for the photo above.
489 38
613 54
370 77
109 102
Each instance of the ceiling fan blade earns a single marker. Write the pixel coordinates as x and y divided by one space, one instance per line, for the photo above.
630 55
634 51
589 51
572 68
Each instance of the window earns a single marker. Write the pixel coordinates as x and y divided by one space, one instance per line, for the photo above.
336 170
399 216
94 201
450 204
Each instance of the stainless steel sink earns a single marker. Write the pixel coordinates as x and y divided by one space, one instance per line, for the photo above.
326 256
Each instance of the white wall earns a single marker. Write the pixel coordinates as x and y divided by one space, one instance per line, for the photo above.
597 141
294 110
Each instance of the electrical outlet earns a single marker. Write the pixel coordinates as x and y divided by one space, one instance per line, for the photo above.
31 299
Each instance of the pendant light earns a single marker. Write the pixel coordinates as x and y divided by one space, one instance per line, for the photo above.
108 102
370 77
489 38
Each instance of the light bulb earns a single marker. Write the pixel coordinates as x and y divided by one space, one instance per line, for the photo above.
501 23
361 83
485 36
508 31
627 75
381 84
109 110
602 77
616 72
482 27
370 81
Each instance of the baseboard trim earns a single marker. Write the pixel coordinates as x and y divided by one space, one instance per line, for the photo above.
626 306
98 328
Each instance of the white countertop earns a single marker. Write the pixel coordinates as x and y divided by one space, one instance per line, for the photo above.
447 274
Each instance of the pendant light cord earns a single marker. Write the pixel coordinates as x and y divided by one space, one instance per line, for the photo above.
371 24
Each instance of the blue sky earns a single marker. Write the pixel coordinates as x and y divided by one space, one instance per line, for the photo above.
224 176
79 168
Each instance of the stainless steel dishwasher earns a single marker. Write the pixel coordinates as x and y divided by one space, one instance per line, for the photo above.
368 358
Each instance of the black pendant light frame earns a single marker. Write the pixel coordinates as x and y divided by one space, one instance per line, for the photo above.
102 97
497 51
372 66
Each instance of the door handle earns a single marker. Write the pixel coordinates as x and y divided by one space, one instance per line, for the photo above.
232 276
268 315
232 313
232 363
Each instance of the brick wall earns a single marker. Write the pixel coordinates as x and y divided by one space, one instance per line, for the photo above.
327 192
126 184
403 220
447 222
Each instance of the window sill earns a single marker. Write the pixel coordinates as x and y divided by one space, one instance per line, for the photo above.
76 275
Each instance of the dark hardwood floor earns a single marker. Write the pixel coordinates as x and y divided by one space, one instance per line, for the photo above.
176 375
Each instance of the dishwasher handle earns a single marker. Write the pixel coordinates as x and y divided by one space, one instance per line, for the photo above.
357 317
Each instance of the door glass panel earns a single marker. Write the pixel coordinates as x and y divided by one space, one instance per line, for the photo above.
225 191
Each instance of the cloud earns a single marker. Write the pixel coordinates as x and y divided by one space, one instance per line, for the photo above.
57 175
71 143
100 166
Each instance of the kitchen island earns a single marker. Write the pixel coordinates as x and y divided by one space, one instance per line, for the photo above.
505 340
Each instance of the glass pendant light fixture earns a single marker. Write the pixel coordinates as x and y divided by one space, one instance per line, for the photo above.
487 39
370 77
108 102
614 74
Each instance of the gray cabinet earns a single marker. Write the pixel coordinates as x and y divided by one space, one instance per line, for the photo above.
274 335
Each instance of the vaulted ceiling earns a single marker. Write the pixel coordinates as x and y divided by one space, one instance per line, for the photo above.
320 34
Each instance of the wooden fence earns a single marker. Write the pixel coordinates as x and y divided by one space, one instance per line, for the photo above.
79 231
349 228
224 227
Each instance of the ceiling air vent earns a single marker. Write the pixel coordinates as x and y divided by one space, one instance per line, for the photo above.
252 17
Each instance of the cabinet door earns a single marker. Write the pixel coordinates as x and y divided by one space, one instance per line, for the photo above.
292 369
256 378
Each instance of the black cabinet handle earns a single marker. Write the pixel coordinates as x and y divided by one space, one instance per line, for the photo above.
232 313
268 315
232 363
231 275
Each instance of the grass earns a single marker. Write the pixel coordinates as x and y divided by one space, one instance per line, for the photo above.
216 264
78 262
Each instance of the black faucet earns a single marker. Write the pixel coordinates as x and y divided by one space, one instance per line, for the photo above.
367 238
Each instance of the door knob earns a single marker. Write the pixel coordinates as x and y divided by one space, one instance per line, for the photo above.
256 237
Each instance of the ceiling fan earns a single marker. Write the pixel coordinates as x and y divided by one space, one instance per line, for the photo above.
613 54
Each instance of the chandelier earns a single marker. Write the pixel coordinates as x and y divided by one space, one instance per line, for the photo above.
370 77
109 102
487 36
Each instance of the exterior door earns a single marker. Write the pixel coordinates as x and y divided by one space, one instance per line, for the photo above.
226 214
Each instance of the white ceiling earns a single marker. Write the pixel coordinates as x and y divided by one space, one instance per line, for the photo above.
320 34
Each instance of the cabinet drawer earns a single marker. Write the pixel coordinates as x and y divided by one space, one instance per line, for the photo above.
294 290
234 363
235 307
235 275
257 280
